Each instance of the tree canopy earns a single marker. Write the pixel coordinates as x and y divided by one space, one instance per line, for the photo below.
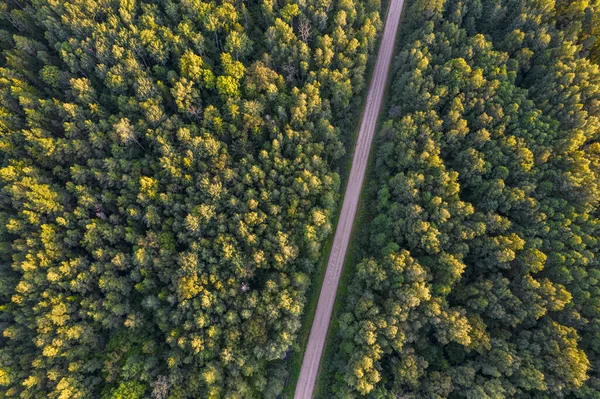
480 268
167 177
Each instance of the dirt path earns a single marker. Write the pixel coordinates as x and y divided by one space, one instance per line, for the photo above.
318 332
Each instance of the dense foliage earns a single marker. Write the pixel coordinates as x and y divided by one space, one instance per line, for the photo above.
166 181
481 274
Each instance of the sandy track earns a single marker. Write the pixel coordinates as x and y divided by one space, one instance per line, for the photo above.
318 332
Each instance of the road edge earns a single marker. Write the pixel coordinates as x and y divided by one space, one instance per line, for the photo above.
383 104
353 255
310 306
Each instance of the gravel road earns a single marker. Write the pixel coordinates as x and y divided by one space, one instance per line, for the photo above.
318 332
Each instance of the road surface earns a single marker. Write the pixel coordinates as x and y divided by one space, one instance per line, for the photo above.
318 332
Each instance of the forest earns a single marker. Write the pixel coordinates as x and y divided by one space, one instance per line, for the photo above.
480 273
168 174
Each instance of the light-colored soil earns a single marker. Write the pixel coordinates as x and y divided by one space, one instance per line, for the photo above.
318 332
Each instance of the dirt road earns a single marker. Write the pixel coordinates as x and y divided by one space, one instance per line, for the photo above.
318 332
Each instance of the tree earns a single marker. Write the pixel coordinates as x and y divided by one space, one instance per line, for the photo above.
476 270
165 192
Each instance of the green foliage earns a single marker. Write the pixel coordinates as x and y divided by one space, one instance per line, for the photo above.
167 177
128 390
479 277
